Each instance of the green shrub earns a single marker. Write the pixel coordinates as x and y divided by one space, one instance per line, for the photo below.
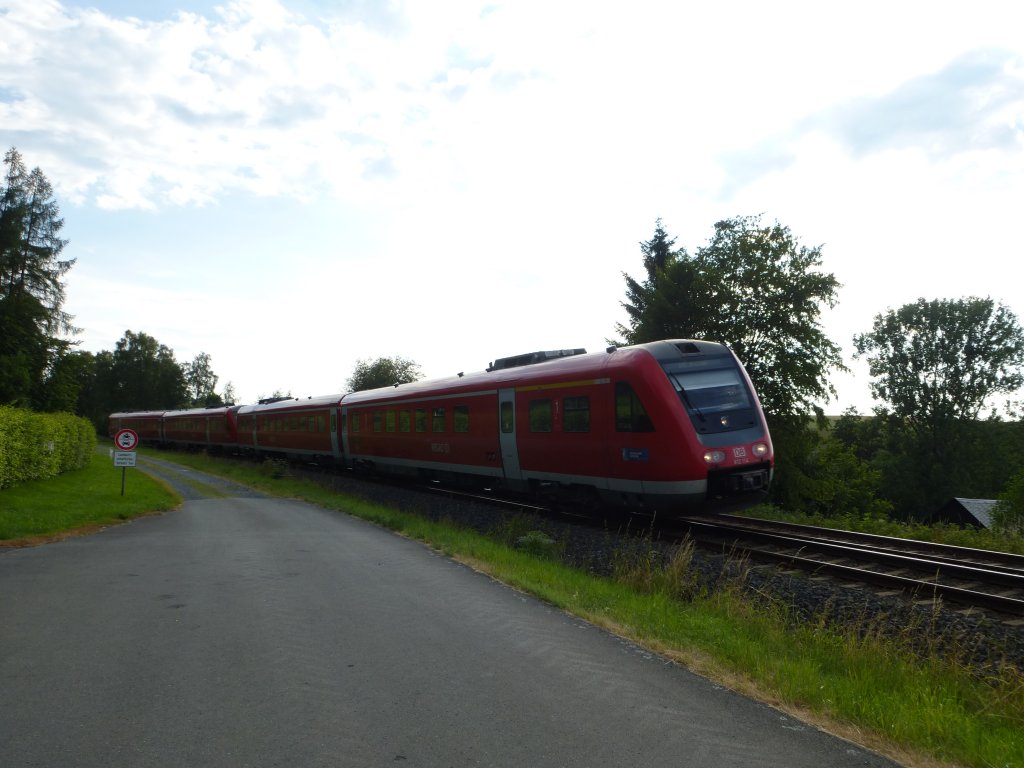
34 446
1008 513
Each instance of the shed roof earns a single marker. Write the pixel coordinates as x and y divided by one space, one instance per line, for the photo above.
974 512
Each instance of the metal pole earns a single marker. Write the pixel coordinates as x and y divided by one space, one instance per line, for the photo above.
123 470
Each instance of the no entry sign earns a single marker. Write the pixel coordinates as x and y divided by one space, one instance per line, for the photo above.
126 439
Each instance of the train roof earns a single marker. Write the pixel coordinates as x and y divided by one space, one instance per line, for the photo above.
562 363
517 370
216 410
291 404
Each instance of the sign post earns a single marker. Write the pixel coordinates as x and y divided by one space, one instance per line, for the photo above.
125 440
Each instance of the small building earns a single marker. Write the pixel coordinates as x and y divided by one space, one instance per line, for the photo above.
976 513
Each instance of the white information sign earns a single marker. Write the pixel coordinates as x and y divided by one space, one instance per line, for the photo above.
124 458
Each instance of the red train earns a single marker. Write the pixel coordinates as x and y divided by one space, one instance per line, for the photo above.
665 425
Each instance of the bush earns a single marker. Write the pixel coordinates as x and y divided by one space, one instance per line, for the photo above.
1008 513
34 446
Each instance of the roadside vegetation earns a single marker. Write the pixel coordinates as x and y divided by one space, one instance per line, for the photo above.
933 710
79 501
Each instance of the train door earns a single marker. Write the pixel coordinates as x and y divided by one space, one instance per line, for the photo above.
507 436
339 432
336 435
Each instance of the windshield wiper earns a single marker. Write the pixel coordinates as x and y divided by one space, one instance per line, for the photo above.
686 398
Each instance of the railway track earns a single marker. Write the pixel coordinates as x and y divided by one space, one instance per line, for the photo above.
971 578
983 579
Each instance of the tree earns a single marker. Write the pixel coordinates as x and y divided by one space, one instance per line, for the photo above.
144 375
31 286
201 381
71 376
25 350
936 366
756 289
658 256
1008 512
382 372
942 360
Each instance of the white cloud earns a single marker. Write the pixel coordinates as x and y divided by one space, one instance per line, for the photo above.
442 168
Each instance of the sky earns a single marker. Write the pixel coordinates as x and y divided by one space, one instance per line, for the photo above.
292 186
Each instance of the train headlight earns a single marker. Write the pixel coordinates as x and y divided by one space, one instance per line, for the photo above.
760 449
714 457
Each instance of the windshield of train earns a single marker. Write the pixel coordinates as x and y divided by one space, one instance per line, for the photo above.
704 389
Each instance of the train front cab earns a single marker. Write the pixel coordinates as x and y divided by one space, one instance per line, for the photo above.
667 425
580 428
723 416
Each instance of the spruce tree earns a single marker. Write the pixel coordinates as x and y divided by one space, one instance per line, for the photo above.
33 323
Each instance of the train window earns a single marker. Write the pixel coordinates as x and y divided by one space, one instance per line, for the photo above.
421 419
437 420
390 417
378 422
507 417
321 423
719 389
540 415
404 422
576 414
461 418
356 420
630 414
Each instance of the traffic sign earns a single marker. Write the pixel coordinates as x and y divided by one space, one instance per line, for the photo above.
124 458
126 439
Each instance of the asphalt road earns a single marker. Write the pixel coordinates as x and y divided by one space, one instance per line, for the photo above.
244 631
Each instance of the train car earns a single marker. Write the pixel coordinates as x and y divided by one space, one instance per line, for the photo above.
292 428
202 427
147 424
665 425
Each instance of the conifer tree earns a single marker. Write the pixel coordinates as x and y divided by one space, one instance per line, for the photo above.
33 323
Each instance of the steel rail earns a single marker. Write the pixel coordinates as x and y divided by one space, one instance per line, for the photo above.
971 572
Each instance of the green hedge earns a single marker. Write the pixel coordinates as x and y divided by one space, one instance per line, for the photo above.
34 446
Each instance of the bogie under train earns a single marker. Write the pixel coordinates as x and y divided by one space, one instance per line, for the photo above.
665 425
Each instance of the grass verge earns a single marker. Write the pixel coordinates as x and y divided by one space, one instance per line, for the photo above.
929 711
78 502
